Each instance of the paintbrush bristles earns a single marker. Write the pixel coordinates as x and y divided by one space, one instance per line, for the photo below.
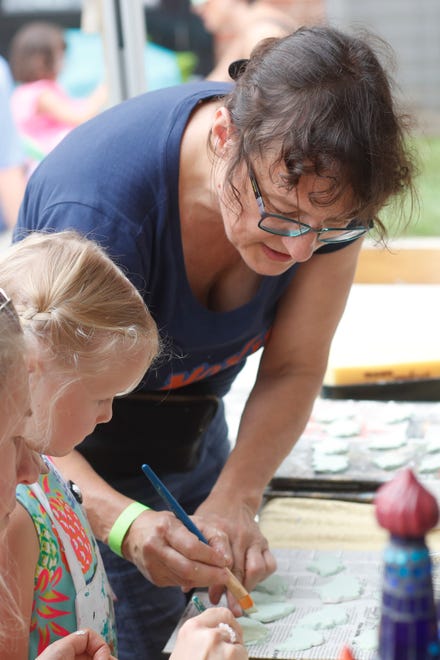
247 605
236 588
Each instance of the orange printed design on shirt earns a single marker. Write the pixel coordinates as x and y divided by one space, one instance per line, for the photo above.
51 567
51 549
54 604
71 525
205 370
44 635
43 609
46 583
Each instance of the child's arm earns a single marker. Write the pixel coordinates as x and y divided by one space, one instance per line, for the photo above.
21 548
72 111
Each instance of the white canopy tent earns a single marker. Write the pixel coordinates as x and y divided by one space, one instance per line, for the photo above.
122 25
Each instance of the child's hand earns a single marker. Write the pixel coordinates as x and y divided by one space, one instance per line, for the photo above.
213 635
80 645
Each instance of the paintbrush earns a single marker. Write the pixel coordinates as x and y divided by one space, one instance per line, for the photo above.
233 584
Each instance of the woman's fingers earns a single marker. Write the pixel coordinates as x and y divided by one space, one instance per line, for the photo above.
168 554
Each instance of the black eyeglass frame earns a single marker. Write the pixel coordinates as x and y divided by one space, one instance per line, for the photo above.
349 233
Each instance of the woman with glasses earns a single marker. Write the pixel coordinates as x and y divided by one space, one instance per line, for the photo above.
238 211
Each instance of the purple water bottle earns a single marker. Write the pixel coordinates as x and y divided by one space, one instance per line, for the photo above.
408 626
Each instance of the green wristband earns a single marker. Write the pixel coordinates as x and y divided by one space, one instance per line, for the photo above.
122 524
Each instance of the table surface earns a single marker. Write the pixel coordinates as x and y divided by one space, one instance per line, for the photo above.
329 525
399 433
380 321
295 522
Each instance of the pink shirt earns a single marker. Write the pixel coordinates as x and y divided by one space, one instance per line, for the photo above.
41 128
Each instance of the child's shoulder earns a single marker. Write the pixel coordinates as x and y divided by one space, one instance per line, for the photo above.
36 88
58 516
21 542
51 493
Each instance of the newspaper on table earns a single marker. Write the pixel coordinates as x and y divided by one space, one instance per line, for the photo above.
303 590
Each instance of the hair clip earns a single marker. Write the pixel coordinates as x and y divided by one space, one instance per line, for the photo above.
237 68
75 490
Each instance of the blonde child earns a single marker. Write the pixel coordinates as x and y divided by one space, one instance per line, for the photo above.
21 464
42 110
90 339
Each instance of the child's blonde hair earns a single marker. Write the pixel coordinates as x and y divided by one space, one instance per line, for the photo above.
12 355
11 343
74 301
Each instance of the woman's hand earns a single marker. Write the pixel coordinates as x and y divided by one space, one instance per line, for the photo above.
213 635
288 381
80 645
168 554
157 543
253 561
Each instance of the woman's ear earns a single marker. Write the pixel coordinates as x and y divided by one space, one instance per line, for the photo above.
222 131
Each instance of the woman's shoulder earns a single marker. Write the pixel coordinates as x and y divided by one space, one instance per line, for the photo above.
179 97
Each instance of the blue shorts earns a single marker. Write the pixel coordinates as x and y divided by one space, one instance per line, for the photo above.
146 615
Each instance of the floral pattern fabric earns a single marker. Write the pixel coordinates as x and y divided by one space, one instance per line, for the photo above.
53 611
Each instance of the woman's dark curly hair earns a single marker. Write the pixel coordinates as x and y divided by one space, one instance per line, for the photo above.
322 101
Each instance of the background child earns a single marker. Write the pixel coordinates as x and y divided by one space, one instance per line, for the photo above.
21 464
91 338
43 112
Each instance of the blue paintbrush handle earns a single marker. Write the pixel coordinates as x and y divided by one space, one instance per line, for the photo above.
233 584
171 502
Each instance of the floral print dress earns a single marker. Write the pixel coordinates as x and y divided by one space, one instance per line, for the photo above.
70 586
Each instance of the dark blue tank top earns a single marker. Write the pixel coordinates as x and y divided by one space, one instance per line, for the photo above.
115 179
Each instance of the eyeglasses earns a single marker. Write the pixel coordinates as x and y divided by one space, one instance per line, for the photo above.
281 225
7 307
